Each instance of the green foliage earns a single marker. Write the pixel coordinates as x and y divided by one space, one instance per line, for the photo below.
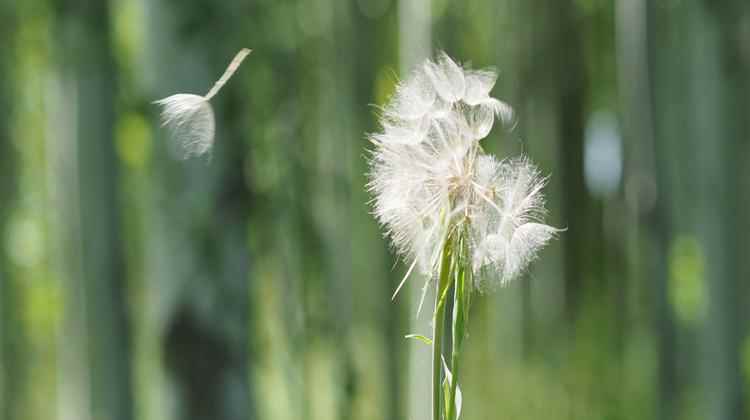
271 245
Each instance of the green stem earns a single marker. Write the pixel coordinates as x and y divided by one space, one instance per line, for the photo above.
438 327
459 318
457 335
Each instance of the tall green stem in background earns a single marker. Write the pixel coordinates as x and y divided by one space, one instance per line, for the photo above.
94 359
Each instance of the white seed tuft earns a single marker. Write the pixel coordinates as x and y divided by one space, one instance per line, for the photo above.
190 118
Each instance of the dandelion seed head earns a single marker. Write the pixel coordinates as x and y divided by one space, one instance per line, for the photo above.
429 174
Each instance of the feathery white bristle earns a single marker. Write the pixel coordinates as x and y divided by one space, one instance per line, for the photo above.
512 232
429 175
190 118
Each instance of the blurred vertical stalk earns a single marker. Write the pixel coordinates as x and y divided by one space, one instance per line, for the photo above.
415 37
380 321
718 87
648 189
94 345
703 111
12 376
332 207
516 42
577 208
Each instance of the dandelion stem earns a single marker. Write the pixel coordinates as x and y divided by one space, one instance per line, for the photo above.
438 324
460 309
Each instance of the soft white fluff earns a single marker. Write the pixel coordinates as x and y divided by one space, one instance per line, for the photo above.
190 118
429 174
510 233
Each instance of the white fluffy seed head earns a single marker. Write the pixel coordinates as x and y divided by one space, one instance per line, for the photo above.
429 174
190 119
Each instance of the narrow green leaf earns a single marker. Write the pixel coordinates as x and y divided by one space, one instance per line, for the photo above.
420 337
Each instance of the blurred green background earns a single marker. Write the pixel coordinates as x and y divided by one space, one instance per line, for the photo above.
256 285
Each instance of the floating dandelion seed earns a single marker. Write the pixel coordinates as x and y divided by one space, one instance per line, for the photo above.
429 175
190 118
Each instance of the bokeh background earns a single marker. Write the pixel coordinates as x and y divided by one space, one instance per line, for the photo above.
255 284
